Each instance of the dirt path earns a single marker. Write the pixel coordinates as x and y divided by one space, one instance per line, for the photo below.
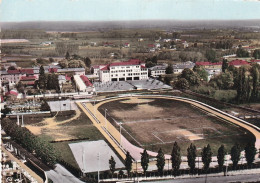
52 126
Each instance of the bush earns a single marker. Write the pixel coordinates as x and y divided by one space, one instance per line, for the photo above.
225 95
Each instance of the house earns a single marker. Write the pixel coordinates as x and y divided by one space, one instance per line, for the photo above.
83 84
12 77
157 70
132 69
255 61
238 63
209 65
28 80
213 72
127 45
178 68
140 39
96 68
93 44
157 45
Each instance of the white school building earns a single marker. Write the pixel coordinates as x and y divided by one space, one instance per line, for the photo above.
122 71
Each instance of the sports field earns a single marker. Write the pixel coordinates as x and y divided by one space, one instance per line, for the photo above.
152 123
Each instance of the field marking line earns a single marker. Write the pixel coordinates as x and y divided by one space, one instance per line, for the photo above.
158 138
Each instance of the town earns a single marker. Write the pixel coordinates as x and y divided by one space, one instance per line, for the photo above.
134 101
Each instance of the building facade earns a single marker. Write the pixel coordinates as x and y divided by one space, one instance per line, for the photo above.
122 71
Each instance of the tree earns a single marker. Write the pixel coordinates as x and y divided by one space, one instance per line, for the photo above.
191 156
221 156
112 165
201 72
256 54
87 62
211 55
235 154
51 60
160 161
206 155
176 158
242 53
45 106
20 87
256 78
224 65
11 67
42 78
182 83
250 152
169 69
6 110
144 160
67 56
190 76
128 163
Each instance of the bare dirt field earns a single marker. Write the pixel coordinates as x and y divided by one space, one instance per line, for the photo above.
155 123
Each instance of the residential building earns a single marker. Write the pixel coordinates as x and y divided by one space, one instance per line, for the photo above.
157 70
238 63
121 71
212 72
178 68
210 65
255 61
83 84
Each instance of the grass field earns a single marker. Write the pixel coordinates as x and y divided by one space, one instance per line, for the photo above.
155 123
76 130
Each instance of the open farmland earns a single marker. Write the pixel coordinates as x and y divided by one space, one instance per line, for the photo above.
154 123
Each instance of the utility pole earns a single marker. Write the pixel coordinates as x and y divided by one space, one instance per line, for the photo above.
106 118
120 125
226 165
98 165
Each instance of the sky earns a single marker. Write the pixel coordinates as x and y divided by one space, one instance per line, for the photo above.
109 10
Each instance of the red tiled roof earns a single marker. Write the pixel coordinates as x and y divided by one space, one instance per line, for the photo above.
143 66
27 71
52 70
151 45
238 62
11 93
30 83
67 78
254 60
13 71
129 62
2 99
86 80
23 78
208 63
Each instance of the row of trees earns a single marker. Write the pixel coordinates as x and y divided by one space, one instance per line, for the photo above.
206 156
48 81
42 149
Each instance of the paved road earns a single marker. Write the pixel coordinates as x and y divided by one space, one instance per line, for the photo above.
222 179
62 175
22 165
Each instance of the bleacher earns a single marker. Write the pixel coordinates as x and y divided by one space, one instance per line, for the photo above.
113 86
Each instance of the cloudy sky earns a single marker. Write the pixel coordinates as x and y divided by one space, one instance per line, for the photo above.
95 10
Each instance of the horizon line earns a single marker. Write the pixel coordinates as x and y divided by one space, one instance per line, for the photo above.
130 20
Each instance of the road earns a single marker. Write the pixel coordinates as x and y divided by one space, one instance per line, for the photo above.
223 179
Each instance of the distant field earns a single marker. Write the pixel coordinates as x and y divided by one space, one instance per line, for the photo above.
155 123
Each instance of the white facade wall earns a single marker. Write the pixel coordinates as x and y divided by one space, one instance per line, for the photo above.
157 73
124 73
80 84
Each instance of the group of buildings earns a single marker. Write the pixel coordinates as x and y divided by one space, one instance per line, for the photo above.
131 70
